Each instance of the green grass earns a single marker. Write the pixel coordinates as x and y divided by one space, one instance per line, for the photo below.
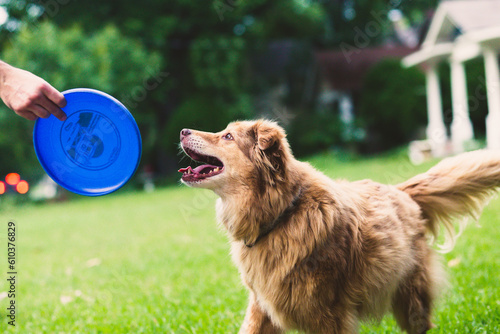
157 263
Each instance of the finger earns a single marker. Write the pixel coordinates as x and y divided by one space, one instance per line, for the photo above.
27 114
39 111
54 95
52 108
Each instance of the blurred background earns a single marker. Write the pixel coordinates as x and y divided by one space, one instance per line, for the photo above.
329 71
349 80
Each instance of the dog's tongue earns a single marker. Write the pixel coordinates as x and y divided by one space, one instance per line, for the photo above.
184 170
197 170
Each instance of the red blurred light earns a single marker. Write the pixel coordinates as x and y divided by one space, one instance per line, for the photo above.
12 179
2 188
22 187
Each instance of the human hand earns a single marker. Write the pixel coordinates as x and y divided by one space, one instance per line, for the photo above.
28 95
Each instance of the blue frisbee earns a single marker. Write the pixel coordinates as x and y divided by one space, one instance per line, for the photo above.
96 150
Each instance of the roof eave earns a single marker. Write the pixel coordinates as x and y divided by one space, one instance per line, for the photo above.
428 55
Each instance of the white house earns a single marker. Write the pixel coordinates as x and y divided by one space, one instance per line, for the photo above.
460 30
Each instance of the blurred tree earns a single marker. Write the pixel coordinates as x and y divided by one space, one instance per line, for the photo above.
363 23
478 96
326 134
393 105
219 93
206 45
476 91
67 59
215 64
207 49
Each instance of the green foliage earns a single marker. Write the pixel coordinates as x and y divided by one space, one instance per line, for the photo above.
158 21
478 95
208 49
206 113
301 19
207 45
476 91
217 92
363 23
327 132
68 58
216 63
16 148
392 105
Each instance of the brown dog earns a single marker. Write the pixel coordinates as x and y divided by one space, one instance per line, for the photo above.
320 255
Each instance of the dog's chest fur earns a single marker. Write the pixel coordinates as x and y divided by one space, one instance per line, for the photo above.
271 271
267 287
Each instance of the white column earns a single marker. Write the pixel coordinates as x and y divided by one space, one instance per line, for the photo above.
346 108
436 130
347 116
461 127
493 89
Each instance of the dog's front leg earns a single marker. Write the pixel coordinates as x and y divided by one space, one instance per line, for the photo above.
257 321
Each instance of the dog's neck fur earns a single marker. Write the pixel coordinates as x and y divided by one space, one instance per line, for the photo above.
266 229
249 213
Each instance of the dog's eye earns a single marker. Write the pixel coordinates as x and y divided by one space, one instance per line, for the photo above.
228 136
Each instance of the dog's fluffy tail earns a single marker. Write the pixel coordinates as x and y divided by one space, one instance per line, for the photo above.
456 188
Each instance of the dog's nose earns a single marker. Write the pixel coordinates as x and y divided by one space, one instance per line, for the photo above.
185 133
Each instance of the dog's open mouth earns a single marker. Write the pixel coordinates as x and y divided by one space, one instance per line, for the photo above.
211 166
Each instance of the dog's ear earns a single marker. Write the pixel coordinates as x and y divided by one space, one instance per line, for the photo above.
268 135
270 152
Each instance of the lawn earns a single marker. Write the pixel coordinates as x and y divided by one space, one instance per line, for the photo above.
136 262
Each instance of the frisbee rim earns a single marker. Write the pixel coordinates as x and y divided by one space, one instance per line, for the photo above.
87 191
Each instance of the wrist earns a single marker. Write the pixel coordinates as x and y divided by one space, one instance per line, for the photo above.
4 69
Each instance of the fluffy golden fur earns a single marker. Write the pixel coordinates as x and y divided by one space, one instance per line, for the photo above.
319 255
